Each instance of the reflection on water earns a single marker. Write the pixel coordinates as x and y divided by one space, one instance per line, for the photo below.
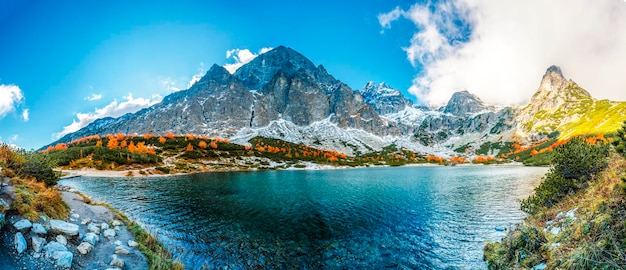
408 217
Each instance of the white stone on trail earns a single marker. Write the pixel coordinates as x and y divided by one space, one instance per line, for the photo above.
117 223
122 250
85 221
37 243
132 243
20 242
109 233
104 226
117 242
39 229
75 216
93 228
91 238
117 262
64 227
61 239
59 253
22 224
64 259
84 248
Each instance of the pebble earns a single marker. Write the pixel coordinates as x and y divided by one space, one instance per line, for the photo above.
84 248
104 226
118 262
85 221
109 233
93 228
117 223
117 242
122 250
75 216
132 243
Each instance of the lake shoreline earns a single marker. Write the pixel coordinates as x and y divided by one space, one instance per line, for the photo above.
91 172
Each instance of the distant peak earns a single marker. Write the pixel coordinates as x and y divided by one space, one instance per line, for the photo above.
554 69
464 102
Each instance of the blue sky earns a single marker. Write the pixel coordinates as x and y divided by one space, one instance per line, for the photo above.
65 63
59 53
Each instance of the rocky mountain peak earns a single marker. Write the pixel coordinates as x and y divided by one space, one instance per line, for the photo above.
554 91
463 102
260 71
383 98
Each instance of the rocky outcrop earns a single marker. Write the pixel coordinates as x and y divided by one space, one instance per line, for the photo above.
463 103
384 99
63 227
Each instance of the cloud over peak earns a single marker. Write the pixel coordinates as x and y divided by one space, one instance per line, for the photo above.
500 49
242 57
113 109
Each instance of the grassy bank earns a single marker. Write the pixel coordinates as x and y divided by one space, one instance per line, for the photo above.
158 257
577 216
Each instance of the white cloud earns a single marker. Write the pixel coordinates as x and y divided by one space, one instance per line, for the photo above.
94 97
25 115
196 77
114 109
10 96
170 85
511 44
242 57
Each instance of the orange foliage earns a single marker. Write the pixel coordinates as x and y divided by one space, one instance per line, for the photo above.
213 145
169 135
432 158
189 148
247 147
202 144
99 143
482 159
458 160
132 147
60 146
148 136
162 140
123 144
113 143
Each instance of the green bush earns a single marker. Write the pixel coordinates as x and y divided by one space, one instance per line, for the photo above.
620 140
573 165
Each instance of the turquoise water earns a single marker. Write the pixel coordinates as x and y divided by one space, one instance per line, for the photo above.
373 218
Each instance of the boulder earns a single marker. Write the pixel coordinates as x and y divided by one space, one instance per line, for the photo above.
75 216
37 243
117 223
132 243
104 226
64 227
93 228
20 243
117 243
117 262
122 250
22 224
109 233
84 247
59 253
91 238
39 229
64 259
61 239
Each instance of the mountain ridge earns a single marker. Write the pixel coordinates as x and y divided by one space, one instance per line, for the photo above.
282 94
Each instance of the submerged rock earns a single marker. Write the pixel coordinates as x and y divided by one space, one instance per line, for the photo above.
38 243
20 243
22 224
64 227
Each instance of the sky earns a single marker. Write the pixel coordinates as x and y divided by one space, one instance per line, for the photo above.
64 64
